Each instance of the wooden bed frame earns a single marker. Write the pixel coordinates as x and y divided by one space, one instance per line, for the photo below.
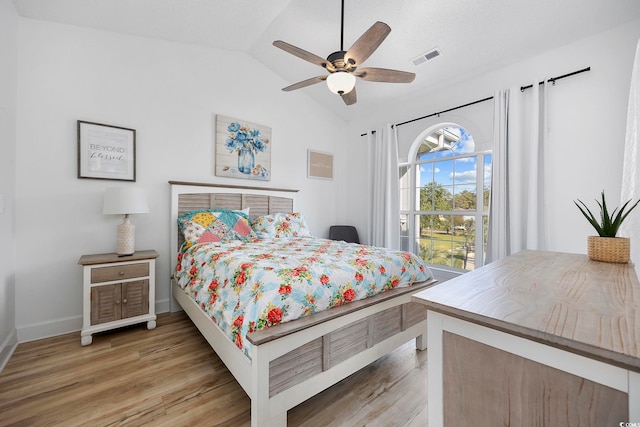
294 361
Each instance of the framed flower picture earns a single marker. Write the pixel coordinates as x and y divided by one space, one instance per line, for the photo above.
243 149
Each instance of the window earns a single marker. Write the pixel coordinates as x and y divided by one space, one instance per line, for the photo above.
442 218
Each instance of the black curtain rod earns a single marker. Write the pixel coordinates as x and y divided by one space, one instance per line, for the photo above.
552 80
522 89
445 111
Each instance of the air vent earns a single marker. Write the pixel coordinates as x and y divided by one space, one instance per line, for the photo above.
427 56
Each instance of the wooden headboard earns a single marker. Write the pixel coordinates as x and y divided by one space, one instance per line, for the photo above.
260 204
190 196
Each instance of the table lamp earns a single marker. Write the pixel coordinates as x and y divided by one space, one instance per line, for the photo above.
125 201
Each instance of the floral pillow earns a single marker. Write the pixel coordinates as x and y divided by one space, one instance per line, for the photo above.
215 225
280 226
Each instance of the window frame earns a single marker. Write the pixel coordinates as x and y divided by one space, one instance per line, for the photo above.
412 215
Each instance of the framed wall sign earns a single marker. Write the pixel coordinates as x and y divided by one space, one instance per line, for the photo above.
319 164
106 152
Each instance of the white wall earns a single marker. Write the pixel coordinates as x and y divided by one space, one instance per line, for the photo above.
170 93
8 104
587 119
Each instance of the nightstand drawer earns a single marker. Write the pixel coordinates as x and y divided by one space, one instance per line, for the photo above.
119 272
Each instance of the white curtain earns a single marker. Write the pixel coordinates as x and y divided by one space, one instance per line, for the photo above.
517 215
630 175
384 191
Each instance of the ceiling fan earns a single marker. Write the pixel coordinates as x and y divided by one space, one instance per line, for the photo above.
343 65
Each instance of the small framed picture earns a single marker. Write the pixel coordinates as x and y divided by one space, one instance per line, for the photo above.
319 164
106 152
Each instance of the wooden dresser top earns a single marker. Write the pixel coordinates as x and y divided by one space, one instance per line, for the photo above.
564 300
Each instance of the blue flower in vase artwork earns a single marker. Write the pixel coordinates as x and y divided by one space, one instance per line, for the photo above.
247 142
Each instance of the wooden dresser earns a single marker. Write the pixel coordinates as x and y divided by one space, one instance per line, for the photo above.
117 291
538 338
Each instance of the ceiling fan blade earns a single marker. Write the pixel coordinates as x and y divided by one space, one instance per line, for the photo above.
349 98
305 83
303 54
367 43
384 75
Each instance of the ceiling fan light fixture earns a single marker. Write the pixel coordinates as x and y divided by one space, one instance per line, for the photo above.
341 82
342 64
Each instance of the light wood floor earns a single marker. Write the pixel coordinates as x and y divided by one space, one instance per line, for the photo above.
169 376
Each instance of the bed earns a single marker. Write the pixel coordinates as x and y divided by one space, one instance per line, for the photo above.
284 364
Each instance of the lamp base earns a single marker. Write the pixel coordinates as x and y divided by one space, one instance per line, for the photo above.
126 238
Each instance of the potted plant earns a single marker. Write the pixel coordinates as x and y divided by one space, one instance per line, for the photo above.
606 246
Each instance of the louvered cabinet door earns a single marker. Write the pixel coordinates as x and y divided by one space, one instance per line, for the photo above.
119 301
135 298
106 304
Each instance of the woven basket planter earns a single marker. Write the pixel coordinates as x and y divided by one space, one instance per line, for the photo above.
609 249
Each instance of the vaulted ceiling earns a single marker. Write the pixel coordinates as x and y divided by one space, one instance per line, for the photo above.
473 36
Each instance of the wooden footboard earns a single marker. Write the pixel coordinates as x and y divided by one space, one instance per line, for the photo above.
325 352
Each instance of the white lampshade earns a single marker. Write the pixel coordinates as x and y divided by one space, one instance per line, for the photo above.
341 82
125 201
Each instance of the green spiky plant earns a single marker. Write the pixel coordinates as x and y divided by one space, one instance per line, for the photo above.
609 223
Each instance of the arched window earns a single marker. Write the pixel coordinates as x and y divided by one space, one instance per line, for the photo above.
443 220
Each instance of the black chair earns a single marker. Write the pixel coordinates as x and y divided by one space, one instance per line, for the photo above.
348 233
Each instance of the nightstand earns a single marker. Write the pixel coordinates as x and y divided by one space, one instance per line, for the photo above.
117 291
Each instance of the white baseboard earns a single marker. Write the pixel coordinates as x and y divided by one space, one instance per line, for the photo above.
52 328
163 306
7 348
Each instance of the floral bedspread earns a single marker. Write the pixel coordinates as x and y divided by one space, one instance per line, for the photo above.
249 286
